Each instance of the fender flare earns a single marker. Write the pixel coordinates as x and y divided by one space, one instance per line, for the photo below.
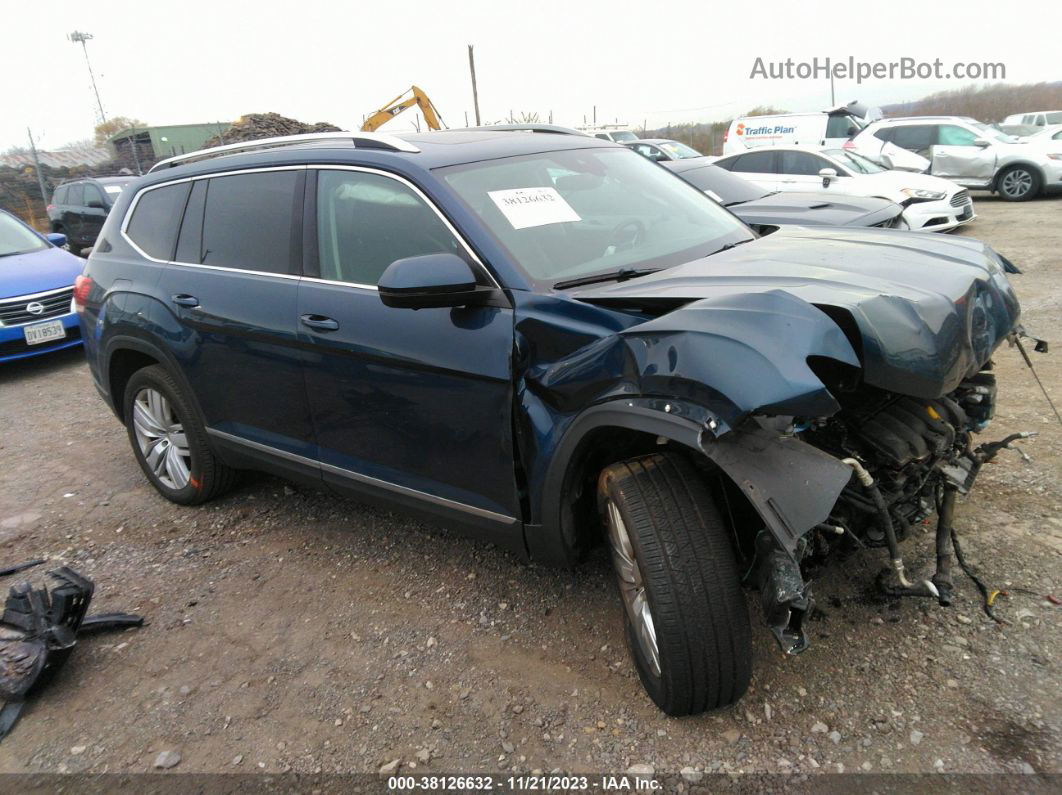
792 485
122 340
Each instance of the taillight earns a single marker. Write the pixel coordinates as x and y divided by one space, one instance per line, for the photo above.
726 134
50 207
82 288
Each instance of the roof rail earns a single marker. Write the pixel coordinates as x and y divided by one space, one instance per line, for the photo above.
537 128
391 143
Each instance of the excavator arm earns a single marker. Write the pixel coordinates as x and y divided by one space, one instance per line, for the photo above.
403 102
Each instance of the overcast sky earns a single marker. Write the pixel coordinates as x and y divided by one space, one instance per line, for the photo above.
192 61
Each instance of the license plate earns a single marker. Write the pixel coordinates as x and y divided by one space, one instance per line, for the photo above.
44 332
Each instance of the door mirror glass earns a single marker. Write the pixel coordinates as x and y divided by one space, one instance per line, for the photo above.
431 280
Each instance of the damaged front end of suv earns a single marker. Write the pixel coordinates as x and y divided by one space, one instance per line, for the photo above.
836 379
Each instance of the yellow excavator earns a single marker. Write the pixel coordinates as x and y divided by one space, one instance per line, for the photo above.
414 96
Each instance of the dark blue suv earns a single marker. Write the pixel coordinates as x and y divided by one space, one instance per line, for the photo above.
545 339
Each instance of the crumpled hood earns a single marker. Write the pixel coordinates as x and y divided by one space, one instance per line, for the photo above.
922 311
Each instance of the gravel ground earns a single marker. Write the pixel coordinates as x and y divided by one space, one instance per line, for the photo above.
293 630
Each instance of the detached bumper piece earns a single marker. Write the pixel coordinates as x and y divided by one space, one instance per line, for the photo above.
785 596
39 629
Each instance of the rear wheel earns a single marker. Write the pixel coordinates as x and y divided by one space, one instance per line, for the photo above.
687 622
169 441
1018 184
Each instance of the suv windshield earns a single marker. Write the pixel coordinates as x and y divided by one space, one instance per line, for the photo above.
578 212
857 163
15 238
993 133
624 135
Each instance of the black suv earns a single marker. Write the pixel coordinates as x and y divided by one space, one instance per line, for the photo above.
547 340
79 208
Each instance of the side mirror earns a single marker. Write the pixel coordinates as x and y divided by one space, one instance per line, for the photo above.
981 142
431 280
828 175
56 239
95 204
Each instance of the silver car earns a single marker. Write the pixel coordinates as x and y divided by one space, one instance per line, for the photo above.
970 153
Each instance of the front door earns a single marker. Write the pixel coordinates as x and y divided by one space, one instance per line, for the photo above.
93 214
956 156
411 405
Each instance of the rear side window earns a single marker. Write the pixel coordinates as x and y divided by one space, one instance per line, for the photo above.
248 222
884 133
156 218
755 163
366 221
915 137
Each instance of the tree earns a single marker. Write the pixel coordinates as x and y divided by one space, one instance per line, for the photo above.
114 125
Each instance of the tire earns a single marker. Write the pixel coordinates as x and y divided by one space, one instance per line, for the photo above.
686 568
186 474
1018 184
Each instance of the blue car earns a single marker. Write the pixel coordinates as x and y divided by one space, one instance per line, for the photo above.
36 291
548 341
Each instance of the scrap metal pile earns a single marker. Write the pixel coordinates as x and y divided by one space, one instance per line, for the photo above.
266 125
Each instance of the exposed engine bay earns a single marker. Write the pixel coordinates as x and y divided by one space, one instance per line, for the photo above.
910 458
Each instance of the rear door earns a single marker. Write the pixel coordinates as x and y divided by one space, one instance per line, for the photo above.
232 286
412 404
917 138
955 155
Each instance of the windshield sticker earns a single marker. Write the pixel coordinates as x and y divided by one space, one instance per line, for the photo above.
527 207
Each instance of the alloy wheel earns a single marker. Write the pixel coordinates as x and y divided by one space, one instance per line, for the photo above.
162 439
632 586
1016 183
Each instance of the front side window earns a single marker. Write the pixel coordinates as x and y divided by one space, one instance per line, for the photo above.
75 194
803 164
367 221
248 220
953 135
647 150
17 238
573 213
93 195
156 218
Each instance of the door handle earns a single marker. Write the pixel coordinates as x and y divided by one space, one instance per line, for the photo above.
319 322
183 299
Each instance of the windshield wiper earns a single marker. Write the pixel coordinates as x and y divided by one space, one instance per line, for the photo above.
729 246
619 275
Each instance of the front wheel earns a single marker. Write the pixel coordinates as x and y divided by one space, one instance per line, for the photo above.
686 618
1018 184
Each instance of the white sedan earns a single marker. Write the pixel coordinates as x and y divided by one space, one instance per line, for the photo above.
930 203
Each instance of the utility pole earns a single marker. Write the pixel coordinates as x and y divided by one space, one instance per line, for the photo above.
833 100
37 165
595 115
80 38
475 89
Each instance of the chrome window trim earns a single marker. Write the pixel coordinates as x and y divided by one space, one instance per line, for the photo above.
124 229
366 479
316 167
